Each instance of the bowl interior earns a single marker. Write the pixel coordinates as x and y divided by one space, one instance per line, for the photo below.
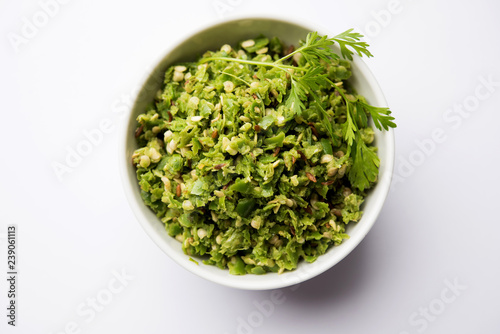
213 38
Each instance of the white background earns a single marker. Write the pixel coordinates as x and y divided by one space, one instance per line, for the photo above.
439 226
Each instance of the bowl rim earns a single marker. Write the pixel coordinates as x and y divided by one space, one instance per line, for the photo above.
313 269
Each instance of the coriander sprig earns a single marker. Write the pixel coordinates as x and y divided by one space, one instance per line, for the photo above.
312 78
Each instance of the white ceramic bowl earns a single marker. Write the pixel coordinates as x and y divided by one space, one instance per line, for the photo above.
212 38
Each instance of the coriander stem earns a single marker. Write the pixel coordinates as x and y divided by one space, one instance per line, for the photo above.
252 62
237 78
337 89
289 55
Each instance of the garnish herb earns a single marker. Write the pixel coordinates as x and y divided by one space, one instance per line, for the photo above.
311 77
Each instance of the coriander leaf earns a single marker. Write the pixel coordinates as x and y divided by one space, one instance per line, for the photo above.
360 116
314 78
314 48
317 47
380 115
349 128
295 98
365 165
352 40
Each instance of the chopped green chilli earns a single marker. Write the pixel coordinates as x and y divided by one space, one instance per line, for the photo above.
259 155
